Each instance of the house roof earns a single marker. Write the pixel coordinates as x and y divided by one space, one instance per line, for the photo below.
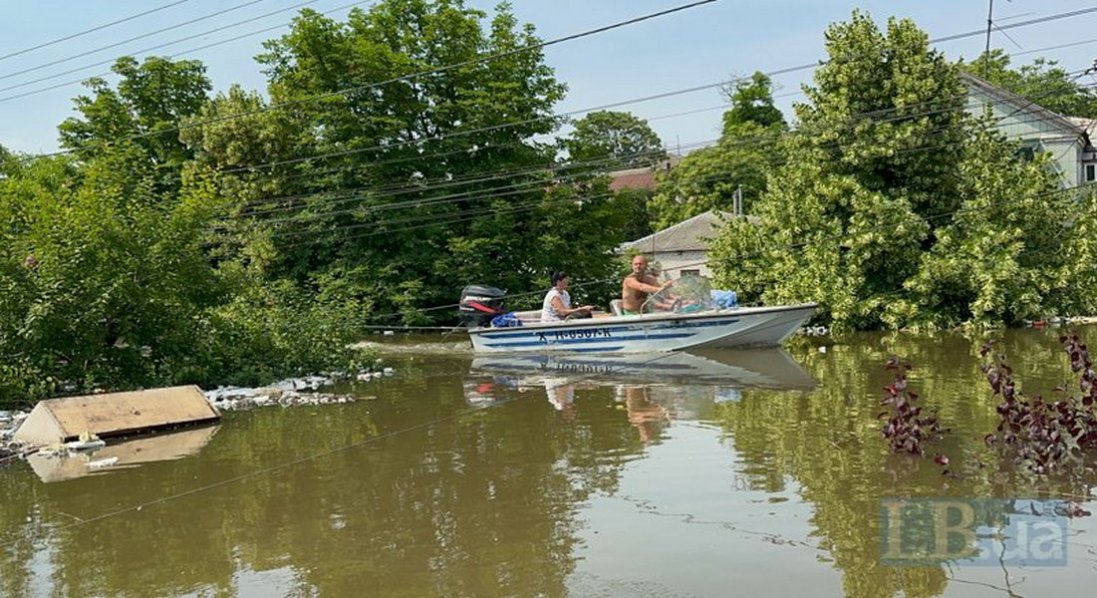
1023 106
641 178
633 178
689 235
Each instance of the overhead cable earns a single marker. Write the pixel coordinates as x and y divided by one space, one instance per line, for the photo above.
92 30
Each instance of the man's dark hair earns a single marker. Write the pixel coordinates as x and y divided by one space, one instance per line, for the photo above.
557 277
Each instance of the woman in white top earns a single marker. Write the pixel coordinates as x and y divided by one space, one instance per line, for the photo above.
557 303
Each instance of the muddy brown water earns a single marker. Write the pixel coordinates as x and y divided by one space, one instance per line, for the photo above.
718 473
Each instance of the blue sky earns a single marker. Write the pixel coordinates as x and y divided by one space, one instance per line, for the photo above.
704 45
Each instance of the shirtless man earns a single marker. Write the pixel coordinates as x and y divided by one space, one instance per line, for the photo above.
637 286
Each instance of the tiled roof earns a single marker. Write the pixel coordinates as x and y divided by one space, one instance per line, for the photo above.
635 178
641 178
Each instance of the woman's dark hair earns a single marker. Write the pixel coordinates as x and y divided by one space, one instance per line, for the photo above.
557 277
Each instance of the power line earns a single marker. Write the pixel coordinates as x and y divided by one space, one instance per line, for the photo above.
1036 21
506 125
126 41
512 52
92 30
445 218
156 47
434 71
341 195
177 54
497 127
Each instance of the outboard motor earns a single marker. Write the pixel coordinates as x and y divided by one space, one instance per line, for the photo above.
479 304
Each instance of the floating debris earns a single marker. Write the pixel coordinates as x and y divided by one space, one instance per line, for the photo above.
86 442
115 414
101 463
9 423
294 392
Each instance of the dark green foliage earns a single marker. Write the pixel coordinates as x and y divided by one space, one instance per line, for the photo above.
422 185
237 240
609 140
707 179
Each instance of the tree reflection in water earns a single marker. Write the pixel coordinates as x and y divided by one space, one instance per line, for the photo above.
829 442
475 484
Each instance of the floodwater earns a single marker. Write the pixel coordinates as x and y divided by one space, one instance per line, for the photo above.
748 473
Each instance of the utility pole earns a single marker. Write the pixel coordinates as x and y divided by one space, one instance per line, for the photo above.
986 53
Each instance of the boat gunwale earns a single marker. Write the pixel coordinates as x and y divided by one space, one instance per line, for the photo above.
645 318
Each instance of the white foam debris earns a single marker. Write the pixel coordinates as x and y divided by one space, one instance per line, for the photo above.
288 393
9 423
102 463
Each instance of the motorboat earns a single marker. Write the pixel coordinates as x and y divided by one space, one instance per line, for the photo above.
683 317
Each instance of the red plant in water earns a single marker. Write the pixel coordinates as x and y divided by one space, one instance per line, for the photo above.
907 428
1044 434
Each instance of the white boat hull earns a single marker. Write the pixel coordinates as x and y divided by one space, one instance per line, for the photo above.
658 332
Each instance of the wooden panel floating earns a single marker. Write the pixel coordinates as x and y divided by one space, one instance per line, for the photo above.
117 414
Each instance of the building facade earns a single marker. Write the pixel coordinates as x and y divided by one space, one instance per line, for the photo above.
1038 129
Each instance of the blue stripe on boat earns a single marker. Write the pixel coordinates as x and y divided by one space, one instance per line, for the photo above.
536 342
613 328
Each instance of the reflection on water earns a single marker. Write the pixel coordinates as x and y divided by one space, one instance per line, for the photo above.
119 455
709 474
759 368
646 415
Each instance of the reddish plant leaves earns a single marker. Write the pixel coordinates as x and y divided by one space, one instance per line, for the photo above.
1044 434
906 429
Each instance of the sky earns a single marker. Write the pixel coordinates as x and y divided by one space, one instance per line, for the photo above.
701 46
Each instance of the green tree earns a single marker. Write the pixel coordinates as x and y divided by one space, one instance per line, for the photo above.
427 182
612 141
607 141
885 158
102 283
145 111
752 103
708 178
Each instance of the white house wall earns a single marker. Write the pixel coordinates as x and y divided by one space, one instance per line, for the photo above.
1021 124
673 262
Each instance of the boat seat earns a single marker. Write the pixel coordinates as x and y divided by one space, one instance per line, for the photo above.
615 307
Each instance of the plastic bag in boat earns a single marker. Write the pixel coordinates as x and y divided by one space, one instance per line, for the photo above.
507 320
725 299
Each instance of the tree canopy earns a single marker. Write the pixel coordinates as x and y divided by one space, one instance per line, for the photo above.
401 153
708 178
896 207
613 140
